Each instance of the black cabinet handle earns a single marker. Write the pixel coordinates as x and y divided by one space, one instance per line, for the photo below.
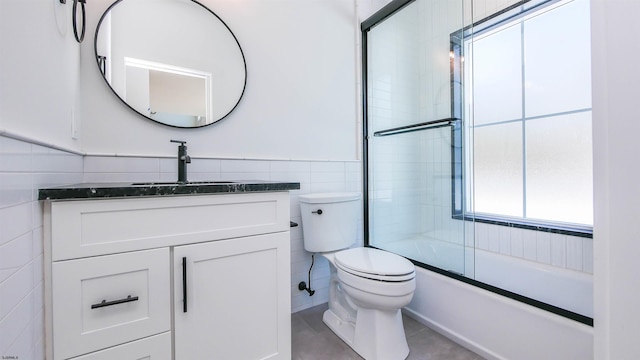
184 284
114 302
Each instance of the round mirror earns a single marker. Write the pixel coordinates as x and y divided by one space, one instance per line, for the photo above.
172 61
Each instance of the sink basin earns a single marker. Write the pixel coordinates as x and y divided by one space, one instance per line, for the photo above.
177 183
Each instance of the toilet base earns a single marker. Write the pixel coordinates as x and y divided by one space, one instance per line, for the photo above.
390 344
345 330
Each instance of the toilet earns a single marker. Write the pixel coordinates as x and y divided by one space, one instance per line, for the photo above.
368 287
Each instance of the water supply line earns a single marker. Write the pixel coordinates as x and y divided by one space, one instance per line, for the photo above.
302 285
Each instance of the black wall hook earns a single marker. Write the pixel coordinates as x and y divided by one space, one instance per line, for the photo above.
79 36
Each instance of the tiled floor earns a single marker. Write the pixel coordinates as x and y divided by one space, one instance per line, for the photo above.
312 340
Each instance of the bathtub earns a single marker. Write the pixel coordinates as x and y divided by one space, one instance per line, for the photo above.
566 289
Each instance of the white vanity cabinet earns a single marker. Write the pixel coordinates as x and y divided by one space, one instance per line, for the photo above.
172 277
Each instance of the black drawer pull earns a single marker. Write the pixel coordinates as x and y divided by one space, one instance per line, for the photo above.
114 302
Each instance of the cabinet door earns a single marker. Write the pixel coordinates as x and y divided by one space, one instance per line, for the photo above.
237 299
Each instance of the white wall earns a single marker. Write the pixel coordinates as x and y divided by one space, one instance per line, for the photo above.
301 97
39 80
39 83
616 127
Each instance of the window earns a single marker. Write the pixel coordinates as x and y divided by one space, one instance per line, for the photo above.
527 105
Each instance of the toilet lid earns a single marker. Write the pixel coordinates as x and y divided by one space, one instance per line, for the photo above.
375 264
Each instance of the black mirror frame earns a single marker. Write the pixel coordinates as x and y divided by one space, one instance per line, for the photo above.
101 63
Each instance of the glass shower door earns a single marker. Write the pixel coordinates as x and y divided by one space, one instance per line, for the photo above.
411 125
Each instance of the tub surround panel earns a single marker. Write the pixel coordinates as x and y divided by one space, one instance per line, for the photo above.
495 326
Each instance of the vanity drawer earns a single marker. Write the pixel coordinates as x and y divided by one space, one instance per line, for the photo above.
156 347
107 300
99 227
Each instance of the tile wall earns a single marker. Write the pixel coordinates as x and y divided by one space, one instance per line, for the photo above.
23 169
564 251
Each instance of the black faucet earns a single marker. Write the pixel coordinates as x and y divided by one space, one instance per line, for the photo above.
183 160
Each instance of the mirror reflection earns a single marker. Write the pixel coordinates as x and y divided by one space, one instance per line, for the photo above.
172 61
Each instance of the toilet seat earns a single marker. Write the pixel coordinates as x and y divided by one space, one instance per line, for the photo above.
374 264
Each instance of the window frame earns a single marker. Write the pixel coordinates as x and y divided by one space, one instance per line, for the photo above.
460 185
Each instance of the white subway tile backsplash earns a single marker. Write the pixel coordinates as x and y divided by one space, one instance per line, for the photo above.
48 160
233 176
505 240
24 168
494 238
15 288
105 164
300 300
38 242
42 180
15 156
353 166
15 188
201 166
14 255
559 250
168 165
16 321
240 166
192 176
328 166
99 177
587 255
290 166
469 234
301 177
321 296
482 236
563 251
517 244
543 244
326 176
15 221
574 253
529 245
318 187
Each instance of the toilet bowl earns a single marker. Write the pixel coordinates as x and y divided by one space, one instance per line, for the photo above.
368 286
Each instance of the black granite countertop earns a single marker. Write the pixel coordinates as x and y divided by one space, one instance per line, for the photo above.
111 190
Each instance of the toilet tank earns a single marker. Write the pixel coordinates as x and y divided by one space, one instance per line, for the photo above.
329 220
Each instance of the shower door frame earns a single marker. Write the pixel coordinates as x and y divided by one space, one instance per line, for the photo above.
381 15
